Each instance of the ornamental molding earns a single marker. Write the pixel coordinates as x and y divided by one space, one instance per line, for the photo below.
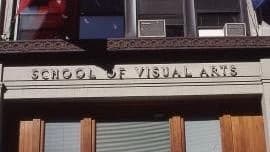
123 44
188 43
31 46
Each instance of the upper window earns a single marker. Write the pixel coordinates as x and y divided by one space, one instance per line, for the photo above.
264 13
101 19
215 13
170 10
102 7
41 19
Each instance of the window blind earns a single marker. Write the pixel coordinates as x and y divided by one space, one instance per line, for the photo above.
218 5
170 10
62 137
133 136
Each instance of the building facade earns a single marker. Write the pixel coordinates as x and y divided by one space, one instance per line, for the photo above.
135 75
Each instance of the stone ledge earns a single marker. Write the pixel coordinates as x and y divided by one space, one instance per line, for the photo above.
180 43
136 44
37 46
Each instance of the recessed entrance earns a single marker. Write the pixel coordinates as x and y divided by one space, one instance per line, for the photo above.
224 125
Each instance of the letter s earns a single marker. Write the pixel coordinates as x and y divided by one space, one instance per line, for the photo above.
35 74
233 71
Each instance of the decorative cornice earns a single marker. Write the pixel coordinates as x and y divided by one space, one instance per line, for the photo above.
187 43
32 46
179 43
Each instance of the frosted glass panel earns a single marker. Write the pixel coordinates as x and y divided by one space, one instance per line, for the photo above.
133 137
62 137
203 136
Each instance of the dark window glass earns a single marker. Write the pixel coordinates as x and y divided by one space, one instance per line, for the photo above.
102 7
170 10
101 19
101 27
264 13
218 5
215 13
174 30
216 19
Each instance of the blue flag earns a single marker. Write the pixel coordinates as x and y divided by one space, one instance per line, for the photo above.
257 3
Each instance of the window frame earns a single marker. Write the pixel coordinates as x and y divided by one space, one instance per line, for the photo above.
182 22
70 18
190 25
98 18
214 11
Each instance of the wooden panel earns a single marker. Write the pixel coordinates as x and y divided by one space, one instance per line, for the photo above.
258 138
25 137
226 133
93 136
248 134
88 141
30 136
245 135
42 136
177 134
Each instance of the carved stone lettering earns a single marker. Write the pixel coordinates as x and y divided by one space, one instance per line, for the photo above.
136 72
204 73
67 74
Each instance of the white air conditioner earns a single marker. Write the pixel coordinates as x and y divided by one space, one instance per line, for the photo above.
211 32
151 28
235 29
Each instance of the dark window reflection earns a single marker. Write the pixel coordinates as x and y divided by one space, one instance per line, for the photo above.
101 19
42 19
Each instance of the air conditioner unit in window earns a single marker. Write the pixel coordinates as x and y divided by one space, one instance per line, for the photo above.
211 32
151 28
235 29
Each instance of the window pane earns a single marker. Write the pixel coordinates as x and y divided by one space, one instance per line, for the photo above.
218 5
265 13
217 19
62 137
174 30
142 136
101 7
171 10
41 19
203 135
101 27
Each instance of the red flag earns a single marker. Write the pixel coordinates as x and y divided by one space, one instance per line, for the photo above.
57 6
52 6
23 4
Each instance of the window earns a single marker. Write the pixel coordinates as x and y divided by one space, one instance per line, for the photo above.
62 137
170 10
215 13
203 135
133 136
101 19
41 19
264 13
